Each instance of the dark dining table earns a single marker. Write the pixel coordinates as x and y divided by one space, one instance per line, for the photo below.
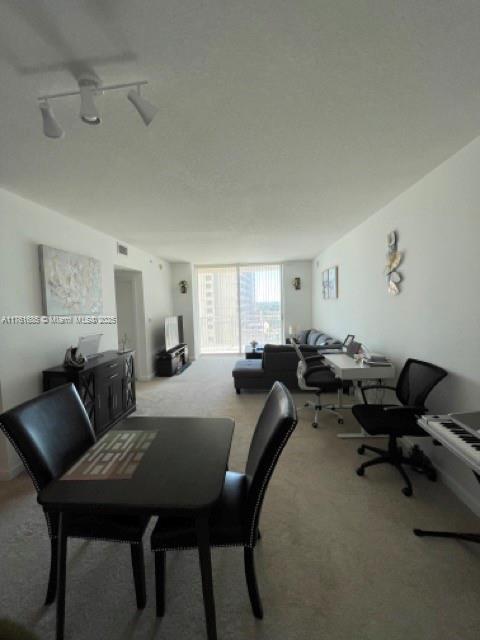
181 473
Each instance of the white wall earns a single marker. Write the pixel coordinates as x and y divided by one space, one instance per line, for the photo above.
183 302
436 317
297 304
28 349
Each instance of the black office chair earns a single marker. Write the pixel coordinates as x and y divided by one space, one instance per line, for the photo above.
415 382
314 375
234 520
50 433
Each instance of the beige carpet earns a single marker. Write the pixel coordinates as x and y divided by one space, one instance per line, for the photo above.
337 559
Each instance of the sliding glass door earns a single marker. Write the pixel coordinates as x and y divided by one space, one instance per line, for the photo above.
238 304
260 304
218 319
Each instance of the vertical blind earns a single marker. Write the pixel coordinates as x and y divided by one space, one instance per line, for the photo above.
238 304
219 326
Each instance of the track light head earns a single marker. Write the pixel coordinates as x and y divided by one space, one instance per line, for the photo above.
146 109
51 128
88 84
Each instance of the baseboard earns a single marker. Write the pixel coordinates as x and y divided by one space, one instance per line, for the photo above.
471 500
145 378
11 473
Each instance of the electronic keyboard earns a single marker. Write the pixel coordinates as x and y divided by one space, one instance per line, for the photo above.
463 443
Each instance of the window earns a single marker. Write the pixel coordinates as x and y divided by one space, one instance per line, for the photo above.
260 304
238 304
218 310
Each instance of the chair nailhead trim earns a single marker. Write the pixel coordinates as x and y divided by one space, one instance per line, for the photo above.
225 546
20 455
268 475
51 534
105 539
255 511
251 542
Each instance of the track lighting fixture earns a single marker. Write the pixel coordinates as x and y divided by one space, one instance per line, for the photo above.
51 128
88 87
146 109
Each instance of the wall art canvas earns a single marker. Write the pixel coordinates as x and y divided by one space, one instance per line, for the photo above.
71 283
325 285
330 283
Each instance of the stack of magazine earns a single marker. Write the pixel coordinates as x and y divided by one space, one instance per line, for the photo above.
375 360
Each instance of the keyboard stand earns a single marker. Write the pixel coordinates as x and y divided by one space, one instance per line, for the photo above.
469 537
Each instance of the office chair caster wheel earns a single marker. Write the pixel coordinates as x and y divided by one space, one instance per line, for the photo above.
361 450
340 421
432 475
314 425
360 471
407 491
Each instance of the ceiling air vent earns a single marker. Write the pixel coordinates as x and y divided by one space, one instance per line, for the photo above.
122 249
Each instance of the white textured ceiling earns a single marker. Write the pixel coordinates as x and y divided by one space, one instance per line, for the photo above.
282 124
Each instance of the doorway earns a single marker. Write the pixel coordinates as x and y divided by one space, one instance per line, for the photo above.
130 313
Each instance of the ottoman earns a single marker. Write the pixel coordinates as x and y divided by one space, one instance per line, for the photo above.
248 374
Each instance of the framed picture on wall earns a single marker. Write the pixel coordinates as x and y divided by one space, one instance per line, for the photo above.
330 283
325 284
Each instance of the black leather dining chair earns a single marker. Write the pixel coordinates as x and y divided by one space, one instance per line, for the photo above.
50 433
234 520
415 382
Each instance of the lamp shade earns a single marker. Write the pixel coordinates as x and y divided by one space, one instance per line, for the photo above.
145 108
51 128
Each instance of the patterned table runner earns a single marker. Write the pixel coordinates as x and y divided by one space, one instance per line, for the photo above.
115 457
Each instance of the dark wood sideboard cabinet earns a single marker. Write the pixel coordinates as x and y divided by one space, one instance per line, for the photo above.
106 386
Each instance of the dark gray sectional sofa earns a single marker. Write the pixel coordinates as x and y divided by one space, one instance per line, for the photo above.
279 362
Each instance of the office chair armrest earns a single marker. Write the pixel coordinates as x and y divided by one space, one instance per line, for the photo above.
316 368
374 386
405 408
310 358
379 386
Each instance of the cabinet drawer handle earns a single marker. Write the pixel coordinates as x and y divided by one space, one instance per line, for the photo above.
115 375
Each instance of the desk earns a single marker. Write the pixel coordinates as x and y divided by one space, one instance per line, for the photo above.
181 473
346 368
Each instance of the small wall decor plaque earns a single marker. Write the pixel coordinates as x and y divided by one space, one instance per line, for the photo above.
394 259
